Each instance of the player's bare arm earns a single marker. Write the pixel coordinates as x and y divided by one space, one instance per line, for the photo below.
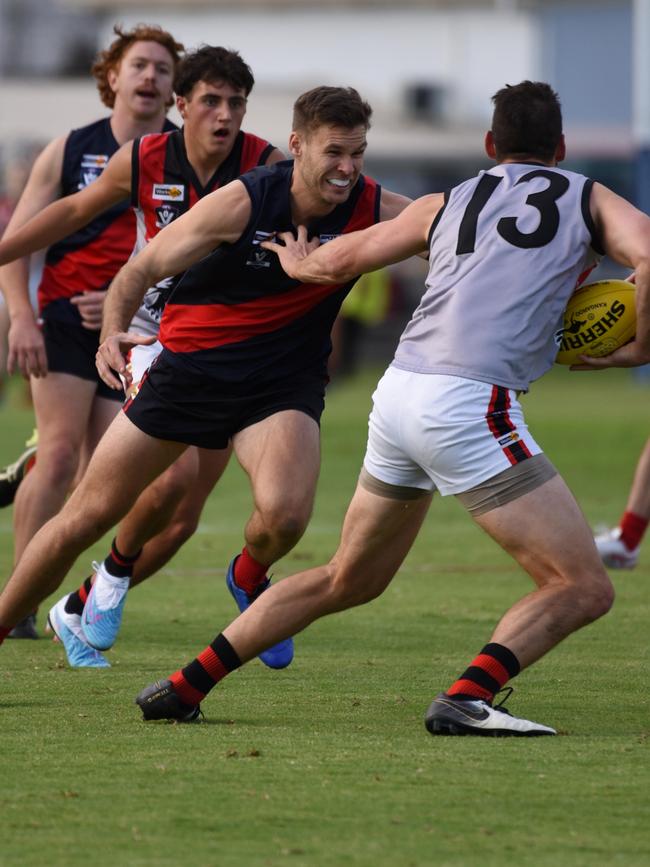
358 252
26 348
65 216
625 232
220 217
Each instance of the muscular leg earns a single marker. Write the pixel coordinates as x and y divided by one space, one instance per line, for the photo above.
102 413
63 405
281 456
124 463
639 499
167 514
546 533
377 535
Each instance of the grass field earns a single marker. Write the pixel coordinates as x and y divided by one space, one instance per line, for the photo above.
328 763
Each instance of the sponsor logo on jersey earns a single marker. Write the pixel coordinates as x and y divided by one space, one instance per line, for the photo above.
258 258
165 214
168 192
92 165
325 238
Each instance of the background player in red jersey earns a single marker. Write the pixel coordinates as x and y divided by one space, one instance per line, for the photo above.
244 360
163 175
134 78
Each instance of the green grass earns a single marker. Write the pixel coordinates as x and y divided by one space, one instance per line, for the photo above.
328 762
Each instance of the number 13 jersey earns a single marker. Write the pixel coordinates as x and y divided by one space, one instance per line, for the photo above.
507 250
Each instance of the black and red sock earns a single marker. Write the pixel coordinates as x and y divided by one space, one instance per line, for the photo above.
4 632
116 564
633 529
195 681
489 672
249 574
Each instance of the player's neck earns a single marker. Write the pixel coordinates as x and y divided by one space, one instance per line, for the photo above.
126 126
305 205
204 164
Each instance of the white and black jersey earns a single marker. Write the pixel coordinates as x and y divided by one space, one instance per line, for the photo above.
506 252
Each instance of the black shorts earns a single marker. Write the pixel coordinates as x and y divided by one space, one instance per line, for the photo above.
71 349
191 407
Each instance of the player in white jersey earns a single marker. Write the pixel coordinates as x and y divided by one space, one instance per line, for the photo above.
506 250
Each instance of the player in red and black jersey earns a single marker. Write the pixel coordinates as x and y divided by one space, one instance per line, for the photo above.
73 407
164 175
244 358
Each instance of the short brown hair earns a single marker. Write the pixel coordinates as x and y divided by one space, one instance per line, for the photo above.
527 120
212 63
330 106
112 56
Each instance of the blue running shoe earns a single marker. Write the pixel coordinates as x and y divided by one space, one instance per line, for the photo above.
102 614
67 628
281 654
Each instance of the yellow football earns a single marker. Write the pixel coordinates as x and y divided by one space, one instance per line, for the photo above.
599 318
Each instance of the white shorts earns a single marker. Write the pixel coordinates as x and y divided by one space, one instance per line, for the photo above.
433 431
140 360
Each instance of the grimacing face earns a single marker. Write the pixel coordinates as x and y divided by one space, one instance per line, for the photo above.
213 114
330 160
144 78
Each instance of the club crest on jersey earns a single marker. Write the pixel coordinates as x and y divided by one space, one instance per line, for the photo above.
258 258
168 192
165 214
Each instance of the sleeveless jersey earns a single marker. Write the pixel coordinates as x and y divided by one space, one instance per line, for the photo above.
164 185
238 317
506 251
89 258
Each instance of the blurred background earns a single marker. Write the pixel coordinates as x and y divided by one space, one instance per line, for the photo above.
428 67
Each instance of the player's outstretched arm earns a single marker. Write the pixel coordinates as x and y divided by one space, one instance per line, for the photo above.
220 217
65 216
358 252
625 232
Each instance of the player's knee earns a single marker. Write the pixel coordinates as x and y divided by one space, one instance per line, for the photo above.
599 599
57 464
348 588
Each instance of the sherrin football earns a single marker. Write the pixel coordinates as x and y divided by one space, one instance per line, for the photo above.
599 318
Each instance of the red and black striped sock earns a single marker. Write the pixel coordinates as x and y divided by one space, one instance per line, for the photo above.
489 672
195 681
249 574
119 565
633 528
4 632
75 602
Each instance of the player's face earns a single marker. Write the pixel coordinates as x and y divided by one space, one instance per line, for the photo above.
144 78
213 115
330 160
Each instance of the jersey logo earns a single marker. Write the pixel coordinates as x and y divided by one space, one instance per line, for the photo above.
92 165
168 192
258 258
165 214
325 238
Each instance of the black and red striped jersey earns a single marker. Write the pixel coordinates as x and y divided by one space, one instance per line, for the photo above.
236 313
89 258
164 185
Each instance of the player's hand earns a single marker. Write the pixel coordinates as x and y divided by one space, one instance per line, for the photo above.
26 350
633 354
292 250
111 358
91 307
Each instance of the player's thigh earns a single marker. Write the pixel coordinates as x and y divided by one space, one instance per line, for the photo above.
125 461
62 405
281 455
546 532
378 532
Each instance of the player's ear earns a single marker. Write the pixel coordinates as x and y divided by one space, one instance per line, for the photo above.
560 150
490 147
295 144
181 103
